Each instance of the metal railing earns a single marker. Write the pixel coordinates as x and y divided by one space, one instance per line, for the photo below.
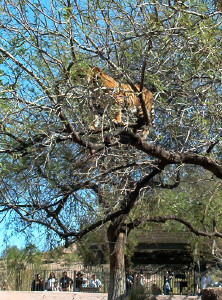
173 281
22 279
152 278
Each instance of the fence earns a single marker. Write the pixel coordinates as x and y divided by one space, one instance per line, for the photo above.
153 279
21 280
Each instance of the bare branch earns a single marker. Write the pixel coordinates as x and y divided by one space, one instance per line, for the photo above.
212 145
171 157
164 219
142 101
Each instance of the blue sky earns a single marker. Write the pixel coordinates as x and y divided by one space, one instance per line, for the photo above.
10 237
7 239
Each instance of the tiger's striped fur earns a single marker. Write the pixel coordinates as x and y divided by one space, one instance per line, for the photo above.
120 94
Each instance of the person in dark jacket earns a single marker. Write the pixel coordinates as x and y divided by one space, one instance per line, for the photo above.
79 280
37 284
66 282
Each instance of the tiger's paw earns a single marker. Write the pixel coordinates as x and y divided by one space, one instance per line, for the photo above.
91 127
119 123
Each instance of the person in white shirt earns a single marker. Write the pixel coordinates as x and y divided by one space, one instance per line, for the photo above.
206 281
95 282
51 284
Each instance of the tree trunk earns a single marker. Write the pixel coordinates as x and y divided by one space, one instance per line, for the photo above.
117 284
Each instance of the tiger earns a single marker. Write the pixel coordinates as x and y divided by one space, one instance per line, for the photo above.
122 96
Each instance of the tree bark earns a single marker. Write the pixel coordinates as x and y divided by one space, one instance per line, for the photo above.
117 284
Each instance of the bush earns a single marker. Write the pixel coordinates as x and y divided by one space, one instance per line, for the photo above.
212 294
140 294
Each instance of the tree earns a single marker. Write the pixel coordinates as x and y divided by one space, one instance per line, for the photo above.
59 173
17 259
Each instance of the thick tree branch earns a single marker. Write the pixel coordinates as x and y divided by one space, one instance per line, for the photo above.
164 219
126 206
142 102
171 157
212 145
186 223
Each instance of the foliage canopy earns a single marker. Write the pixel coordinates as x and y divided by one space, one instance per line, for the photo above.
58 172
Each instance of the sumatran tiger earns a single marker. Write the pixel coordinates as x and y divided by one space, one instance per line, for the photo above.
120 95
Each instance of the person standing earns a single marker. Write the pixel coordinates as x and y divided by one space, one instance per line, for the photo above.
51 284
95 282
66 282
37 284
206 281
79 280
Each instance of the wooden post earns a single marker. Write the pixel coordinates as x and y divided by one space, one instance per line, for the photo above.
74 281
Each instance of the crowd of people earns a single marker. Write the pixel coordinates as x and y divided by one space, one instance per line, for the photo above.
172 283
65 283
204 282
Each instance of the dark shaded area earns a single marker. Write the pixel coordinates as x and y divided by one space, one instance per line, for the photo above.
163 248
212 294
162 256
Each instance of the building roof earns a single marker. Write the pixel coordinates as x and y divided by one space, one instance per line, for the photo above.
162 247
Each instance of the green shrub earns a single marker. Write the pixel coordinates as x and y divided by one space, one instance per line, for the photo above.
140 294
